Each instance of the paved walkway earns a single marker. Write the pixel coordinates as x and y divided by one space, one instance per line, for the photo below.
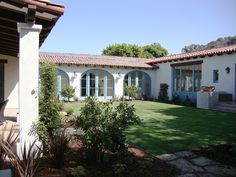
192 165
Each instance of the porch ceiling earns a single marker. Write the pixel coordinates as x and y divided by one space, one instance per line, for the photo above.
31 11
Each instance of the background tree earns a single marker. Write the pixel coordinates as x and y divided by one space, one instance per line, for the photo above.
129 50
220 42
154 50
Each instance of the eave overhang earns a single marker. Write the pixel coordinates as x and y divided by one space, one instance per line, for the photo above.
25 11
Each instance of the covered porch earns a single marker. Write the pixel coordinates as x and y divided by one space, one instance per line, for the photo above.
24 25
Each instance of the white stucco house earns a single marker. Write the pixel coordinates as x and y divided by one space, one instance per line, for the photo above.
25 24
106 76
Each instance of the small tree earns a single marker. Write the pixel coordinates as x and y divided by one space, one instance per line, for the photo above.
49 118
133 91
68 93
103 125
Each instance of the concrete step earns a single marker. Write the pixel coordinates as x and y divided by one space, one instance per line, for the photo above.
226 106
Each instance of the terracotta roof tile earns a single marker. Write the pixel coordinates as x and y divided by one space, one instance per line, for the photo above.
127 62
45 4
95 60
203 53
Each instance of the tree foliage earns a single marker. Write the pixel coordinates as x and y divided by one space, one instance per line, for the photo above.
133 92
129 50
220 42
103 125
68 92
49 118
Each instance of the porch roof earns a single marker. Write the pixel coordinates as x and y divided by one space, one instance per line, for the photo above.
95 60
32 11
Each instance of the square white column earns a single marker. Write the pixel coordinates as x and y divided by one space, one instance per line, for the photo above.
28 78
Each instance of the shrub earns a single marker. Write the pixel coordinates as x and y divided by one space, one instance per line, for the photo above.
28 164
49 117
119 168
59 105
59 146
68 93
188 102
133 92
79 172
175 99
163 94
103 125
8 138
145 163
69 111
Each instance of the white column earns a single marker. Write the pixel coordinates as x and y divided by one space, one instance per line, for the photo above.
28 78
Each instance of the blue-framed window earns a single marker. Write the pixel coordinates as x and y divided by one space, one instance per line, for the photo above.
215 76
139 79
63 81
187 79
98 83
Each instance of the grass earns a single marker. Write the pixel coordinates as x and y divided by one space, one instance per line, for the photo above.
167 128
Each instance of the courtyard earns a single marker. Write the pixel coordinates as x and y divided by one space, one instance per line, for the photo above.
168 128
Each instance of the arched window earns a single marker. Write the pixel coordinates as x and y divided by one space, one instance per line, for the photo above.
98 83
139 79
62 81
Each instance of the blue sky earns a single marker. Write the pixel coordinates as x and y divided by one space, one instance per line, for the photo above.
88 26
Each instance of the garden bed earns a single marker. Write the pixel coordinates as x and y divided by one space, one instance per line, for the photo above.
136 163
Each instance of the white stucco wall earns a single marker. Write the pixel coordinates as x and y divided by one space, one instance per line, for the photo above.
226 81
11 80
163 75
75 79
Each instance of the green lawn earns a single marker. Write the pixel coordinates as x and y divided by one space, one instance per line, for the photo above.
167 128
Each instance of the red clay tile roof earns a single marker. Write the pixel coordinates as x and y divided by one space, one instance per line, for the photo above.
95 60
127 62
44 4
201 54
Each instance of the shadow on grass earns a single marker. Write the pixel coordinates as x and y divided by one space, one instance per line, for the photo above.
175 128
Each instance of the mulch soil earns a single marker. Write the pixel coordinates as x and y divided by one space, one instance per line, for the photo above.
223 153
137 164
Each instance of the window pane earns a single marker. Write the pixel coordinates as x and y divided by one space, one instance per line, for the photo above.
197 77
215 76
177 78
101 83
132 78
188 78
83 86
126 80
92 84
109 86
183 79
140 74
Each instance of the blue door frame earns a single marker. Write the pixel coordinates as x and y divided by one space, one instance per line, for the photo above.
145 77
105 96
